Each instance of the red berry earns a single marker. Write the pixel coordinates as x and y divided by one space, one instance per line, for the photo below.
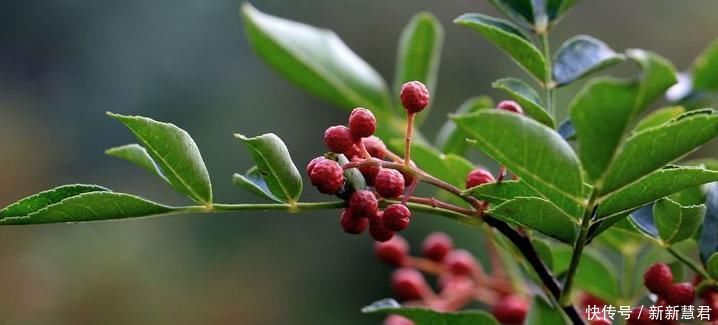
363 203
392 252
680 294
408 284
588 299
658 278
511 309
389 183
436 246
414 96
369 171
354 152
378 230
338 139
327 176
397 320
375 147
478 177
600 321
460 262
511 106
640 316
362 123
313 162
352 224
397 217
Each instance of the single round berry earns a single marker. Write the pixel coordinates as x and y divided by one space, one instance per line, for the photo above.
511 309
658 278
363 203
378 230
588 299
510 106
397 320
436 246
600 321
352 224
460 262
313 162
414 96
389 183
392 252
397 217
680 294
338 139
375 147
408 284
327 176
478 177
362 123
369 171
640 316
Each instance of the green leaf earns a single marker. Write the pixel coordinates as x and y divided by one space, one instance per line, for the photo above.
705 67
137 155
532 151
656 185
674 222
176 154
510 39
91 206
41 200
275 165
651 149
497 193
525 12
538 214
542 313
604 109
316 60
426 316
452 139
520 11
253 182
659 117
580 56
712 265
708 239
527 98
419 52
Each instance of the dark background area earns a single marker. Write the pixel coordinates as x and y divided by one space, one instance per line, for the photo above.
64 63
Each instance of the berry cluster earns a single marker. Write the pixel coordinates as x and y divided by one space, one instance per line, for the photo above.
460 279
356 141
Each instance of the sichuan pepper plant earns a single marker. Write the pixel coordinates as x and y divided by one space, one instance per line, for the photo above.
599 209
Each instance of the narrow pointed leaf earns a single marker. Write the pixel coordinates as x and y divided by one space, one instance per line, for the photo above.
452 139
657 76
659 117
137 155
527 97
275 165
532 151
705 67
538 214
542 313
674 222
176 154
651 149
253 182
419 52
580 56
426 316
91 206
510 39
656 185
497 193
520 11
43 199
316 60
708 240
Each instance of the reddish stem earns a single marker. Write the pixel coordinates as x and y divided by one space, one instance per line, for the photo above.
407 139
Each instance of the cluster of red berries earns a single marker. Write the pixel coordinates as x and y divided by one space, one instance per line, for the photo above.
460 279
356 141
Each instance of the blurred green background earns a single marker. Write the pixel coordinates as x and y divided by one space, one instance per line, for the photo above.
64 63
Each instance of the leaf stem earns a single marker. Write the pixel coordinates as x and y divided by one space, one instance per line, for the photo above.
578 250
548 83
407 139
688 262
